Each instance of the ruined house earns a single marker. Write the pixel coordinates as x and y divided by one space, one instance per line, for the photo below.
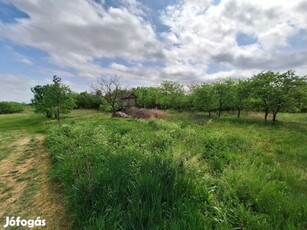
127 100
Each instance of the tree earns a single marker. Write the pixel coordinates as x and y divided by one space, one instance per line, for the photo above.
204 99
171 95
241 90
85 100
300 97
224 93
53 99
275 91
147 96
110 89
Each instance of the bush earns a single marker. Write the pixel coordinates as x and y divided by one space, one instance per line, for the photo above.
10 107
86 100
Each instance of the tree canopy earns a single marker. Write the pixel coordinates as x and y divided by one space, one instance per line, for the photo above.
269 92
53 99
273 92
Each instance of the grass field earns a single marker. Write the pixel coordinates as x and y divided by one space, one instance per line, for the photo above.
182 172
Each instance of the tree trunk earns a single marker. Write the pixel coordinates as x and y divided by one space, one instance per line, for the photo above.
266 115
57 114
209 113
274 115
239 112
220 111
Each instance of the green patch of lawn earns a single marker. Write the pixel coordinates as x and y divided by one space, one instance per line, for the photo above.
24 121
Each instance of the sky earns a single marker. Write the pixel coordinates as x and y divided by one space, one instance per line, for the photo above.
146 42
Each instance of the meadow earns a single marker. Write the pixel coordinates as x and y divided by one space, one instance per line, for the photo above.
181 172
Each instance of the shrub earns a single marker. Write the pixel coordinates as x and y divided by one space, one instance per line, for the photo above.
10 107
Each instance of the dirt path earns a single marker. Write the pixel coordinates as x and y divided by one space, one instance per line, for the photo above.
25 187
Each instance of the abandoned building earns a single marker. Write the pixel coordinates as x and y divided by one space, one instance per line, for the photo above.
127 100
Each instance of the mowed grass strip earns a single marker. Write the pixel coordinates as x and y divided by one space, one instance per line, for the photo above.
25 186
185 172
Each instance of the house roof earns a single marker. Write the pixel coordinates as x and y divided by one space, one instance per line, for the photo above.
127 95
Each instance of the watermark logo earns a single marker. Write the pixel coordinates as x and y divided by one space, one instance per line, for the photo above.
12 222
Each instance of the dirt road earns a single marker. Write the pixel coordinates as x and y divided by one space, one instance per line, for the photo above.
25 186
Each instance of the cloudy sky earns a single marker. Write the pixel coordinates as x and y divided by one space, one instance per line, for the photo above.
146 42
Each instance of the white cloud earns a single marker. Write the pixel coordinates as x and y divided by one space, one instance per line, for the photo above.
16 88
201 34
75 33
118 67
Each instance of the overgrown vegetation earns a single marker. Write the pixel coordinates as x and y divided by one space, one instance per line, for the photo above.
177 174
10 107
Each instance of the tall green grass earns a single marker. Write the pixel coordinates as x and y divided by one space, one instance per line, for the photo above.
181 174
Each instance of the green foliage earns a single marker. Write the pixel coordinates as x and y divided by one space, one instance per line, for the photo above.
147 97
273 92
85 100
270 92
10 107
224 92
242 93
105 106
204 98
53 99
134 174
169 95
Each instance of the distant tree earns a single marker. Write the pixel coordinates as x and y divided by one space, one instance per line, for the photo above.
204 98
241 95
171 95
110 88
187 101
300 97
224 94
274 92
147 97
53 99
85 100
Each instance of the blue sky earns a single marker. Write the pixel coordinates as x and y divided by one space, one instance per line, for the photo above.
146 42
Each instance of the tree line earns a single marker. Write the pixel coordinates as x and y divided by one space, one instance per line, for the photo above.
267 91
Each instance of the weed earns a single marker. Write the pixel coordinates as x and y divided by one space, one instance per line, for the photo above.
180 173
